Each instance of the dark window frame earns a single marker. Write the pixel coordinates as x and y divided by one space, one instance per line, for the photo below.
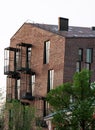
89 66
33 83
50 79
80 54
28 56
46 108
78 68
46 52
89 56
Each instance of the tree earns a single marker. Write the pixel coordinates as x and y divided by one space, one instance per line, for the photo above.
20 117
73 103
1 122
2 102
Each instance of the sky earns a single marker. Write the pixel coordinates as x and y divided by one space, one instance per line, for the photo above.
13 13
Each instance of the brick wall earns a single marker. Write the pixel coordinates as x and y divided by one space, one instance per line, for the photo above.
63 57
36 36
71 56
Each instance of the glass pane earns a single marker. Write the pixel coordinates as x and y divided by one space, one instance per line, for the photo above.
6 61
18 88
47 51
80 54
77 67
17 59
89 56
33 84
51 78
29 57
88 66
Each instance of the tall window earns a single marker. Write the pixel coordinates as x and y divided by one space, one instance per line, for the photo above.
78 66
89 55
88 66
46 52
50 79
33 84
80 54
18 88
6 60
29 57
17 59
9 88
45 108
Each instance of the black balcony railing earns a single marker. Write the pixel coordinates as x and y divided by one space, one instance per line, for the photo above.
17 62
10 61
23 57
28 96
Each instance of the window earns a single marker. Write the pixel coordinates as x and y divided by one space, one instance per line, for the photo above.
6 60
50 79
78 66
46 52
33 84
88 66
9 88
80 54
46 108
18 88
89 55
17 59
29 57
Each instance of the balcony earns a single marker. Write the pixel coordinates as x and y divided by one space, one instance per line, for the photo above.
10 62
23 58
27 98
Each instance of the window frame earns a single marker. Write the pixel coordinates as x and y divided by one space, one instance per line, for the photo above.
80 54
89 55
78 66
88 66
33 80
46 108
50 79
29 51
18 88
46 52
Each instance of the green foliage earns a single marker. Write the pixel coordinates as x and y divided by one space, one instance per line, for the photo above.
1 123
73 103
20 116
60 94
2 119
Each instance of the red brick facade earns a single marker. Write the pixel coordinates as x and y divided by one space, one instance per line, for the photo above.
63 56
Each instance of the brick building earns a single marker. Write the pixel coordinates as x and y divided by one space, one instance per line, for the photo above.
41 57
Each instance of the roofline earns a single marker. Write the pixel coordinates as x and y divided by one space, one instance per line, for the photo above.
56 33
35 25
79 37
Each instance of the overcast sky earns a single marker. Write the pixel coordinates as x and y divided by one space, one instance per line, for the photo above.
13 13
